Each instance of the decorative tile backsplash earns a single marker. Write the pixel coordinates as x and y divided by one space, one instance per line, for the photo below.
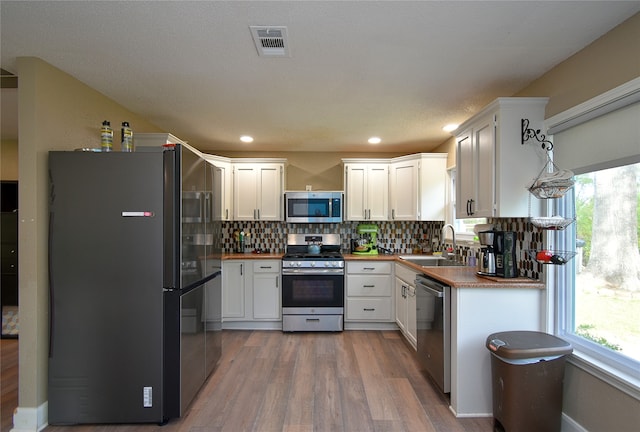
401 237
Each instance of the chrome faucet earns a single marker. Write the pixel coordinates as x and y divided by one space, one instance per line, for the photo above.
453 234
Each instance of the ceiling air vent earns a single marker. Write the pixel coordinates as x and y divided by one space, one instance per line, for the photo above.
270 41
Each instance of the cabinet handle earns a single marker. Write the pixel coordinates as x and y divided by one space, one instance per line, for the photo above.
265 267
226 214
368 286
258 214
369 309
241 269
368 268
313 319
393 213
471 212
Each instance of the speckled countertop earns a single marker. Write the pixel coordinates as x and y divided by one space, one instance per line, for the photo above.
457 277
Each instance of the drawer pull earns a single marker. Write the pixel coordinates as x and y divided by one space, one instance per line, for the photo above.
313 319
369 309
265 267
368 268
368 286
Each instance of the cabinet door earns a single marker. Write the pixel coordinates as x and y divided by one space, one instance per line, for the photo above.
465 176
401 304
245 192
475 171
355 191
484 142
266 296
411 326
378 192
269 194
233 289
403 191
221 191
432 181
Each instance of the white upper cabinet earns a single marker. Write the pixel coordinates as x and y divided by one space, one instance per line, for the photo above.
258 191
493 167
366 187
222 189
417 187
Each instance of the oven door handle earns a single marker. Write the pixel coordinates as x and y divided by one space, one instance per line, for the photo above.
308 271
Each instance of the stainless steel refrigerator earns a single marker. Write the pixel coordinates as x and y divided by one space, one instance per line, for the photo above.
134 284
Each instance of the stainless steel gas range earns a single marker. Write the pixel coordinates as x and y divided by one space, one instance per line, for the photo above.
313 283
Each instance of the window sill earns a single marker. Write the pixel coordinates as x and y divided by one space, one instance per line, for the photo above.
624 382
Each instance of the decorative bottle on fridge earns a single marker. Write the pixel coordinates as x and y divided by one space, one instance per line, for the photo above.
127 138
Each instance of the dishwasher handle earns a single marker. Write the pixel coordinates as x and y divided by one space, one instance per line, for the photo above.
430 286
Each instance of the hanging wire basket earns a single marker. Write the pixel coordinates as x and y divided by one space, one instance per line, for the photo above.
550 256
552 182
556 223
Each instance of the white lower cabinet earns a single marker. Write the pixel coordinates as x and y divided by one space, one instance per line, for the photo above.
405 296
369 291
234 290
251 293
266 290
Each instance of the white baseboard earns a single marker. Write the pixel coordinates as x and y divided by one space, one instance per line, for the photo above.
351 325
30 419
570 425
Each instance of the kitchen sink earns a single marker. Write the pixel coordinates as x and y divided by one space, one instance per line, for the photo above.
430 261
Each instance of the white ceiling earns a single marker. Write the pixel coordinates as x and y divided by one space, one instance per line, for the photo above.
399 70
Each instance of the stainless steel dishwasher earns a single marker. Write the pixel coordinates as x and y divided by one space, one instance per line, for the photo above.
433 314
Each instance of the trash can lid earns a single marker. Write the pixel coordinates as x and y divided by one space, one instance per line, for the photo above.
526 344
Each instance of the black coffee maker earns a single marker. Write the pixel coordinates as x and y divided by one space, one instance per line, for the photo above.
504 246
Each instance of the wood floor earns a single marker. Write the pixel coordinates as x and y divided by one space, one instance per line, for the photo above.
299 382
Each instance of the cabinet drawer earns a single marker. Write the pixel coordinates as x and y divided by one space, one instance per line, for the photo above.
369 267
266 266
406 274
368 286
369 309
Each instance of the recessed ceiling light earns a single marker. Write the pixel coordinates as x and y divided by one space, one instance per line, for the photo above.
450 127
246 139
374 140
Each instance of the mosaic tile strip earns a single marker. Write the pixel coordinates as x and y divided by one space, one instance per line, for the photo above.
402 237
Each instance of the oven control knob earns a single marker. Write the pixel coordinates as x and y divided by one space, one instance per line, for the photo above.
299 264
312 263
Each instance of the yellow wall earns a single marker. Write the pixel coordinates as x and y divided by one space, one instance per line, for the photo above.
9 160
56 112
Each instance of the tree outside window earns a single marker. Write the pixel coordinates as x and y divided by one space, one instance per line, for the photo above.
606 291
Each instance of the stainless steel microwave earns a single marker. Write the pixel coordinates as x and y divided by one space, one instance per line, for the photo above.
313 207
196 207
